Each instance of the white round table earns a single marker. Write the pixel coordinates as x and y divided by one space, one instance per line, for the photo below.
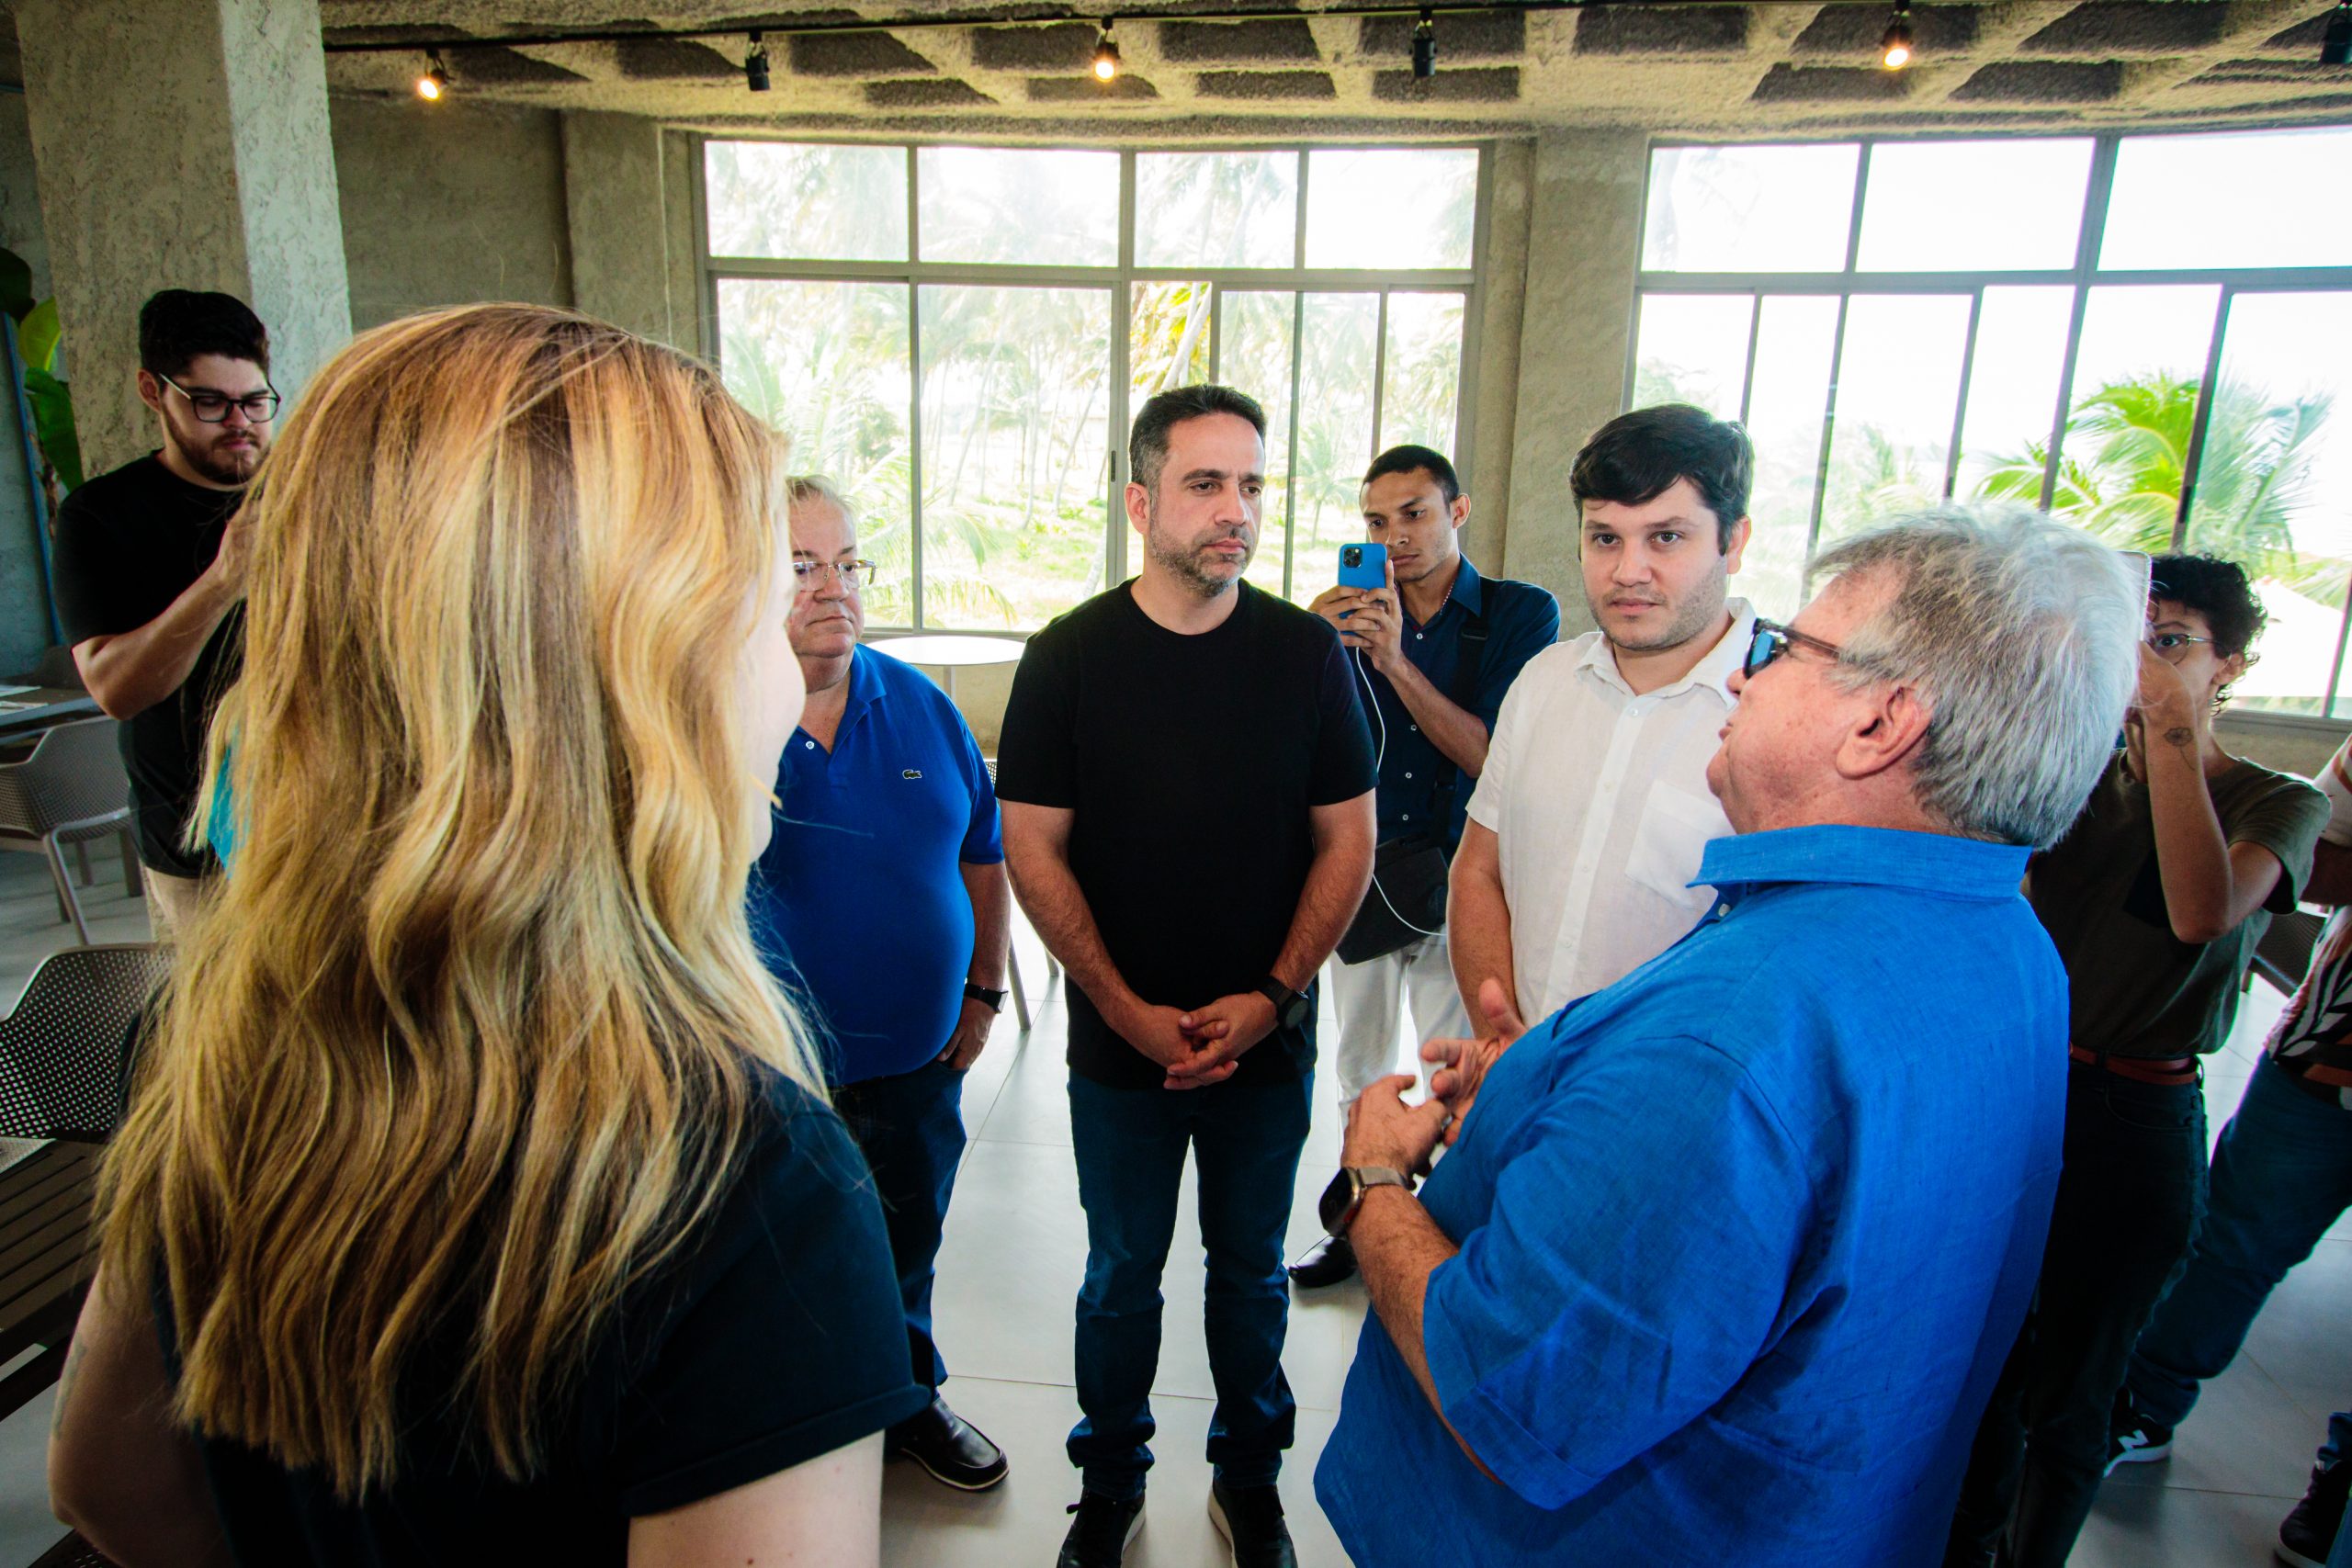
950 651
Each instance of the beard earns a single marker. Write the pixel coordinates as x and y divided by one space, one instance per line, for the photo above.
1694 612
223 465
1192 565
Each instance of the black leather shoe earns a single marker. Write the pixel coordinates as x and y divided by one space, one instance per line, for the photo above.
1328 1263
950 1448
1099 1536
1250 1519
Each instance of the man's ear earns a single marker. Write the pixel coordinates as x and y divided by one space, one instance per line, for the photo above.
1139 507
1737 546
1890 731
1460 510
151 391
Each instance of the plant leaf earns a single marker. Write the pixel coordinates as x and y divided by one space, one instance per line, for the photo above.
37 337
53 430
16 284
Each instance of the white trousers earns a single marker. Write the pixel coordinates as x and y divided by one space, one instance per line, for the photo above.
1369 999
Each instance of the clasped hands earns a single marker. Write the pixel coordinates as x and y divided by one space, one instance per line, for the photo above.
1383 1130
1199 1047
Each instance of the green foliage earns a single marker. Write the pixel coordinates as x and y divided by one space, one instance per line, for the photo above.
38 336
2125 459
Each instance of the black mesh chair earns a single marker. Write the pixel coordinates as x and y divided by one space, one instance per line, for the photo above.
2283 956
68 789
64 1049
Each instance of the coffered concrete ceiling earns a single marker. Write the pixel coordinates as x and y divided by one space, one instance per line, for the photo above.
1691 68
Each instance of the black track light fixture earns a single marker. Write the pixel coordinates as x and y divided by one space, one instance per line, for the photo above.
435 80
1106 55
1425 46
755 66
1895 49
2335 49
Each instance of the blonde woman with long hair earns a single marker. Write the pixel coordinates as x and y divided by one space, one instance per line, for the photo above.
476 1202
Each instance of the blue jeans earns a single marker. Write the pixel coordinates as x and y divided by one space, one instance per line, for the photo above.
1130 1145
910 1127
2282 1174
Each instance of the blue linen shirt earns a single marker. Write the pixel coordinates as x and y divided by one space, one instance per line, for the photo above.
859 900
1522 620
1744 1237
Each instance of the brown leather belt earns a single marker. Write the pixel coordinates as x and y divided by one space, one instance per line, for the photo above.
2170 1072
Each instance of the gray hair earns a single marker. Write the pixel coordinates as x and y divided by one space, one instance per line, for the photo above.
801 489
2023 634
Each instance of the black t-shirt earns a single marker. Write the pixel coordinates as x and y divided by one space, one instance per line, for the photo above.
1190 762
128 544
777 1335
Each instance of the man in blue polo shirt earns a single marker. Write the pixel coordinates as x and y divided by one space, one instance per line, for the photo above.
1726 1256
882 899
1433 653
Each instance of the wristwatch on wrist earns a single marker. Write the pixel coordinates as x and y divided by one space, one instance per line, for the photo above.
1338 1206
975 992
1290 1007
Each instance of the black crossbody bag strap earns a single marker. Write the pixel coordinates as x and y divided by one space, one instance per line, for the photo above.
1463 691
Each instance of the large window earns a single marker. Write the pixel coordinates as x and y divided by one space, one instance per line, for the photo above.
2149 335
959 335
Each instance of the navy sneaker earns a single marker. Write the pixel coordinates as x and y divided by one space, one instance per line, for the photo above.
2133 1436
1099 1536
2307 1535
1250 1519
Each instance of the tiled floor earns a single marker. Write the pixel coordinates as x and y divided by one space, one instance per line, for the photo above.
1016 1244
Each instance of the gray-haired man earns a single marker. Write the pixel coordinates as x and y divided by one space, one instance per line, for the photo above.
1786 1369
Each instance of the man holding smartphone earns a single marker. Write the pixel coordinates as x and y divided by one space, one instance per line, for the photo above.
1433 651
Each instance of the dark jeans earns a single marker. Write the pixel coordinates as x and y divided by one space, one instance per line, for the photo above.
911 1128
2128 1207
1130 1144
2282 1174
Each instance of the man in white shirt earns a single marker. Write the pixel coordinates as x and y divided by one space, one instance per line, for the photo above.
1593 806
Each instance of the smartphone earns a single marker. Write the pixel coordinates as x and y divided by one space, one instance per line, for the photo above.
1364 565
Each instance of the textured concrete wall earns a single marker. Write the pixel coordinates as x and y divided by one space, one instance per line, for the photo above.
187 146
1494 378
1584 245
612 180
449 203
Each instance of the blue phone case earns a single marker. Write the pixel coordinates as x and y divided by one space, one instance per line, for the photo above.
1371 570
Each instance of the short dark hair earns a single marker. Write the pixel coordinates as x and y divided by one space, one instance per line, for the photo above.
178 324
1409 459
2217 589
1636 457
1147 441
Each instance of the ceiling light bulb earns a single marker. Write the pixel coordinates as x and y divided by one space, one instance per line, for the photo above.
1894 45
1106 55
1425 47
435 80
755 66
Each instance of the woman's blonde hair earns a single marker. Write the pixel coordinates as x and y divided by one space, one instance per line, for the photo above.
467 1043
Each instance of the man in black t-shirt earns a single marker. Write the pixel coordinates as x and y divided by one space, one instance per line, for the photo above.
150 568
1187 787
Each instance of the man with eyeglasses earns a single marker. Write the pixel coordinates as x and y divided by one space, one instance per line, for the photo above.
882 900
1724 1259
150 569
1589 817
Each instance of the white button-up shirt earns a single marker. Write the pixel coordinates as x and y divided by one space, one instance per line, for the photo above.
1600 803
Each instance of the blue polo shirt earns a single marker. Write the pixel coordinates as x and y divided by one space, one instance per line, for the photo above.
1522 620
1744 1237
859 901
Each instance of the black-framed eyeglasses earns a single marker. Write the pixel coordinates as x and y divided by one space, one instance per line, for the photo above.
212 408
2173 647
811 575
1773 640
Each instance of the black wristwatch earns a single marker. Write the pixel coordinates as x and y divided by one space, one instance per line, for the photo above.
1337 1208
1290 1007
975 992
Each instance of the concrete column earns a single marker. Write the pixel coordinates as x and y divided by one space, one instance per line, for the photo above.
612 180
182 146
1583 249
